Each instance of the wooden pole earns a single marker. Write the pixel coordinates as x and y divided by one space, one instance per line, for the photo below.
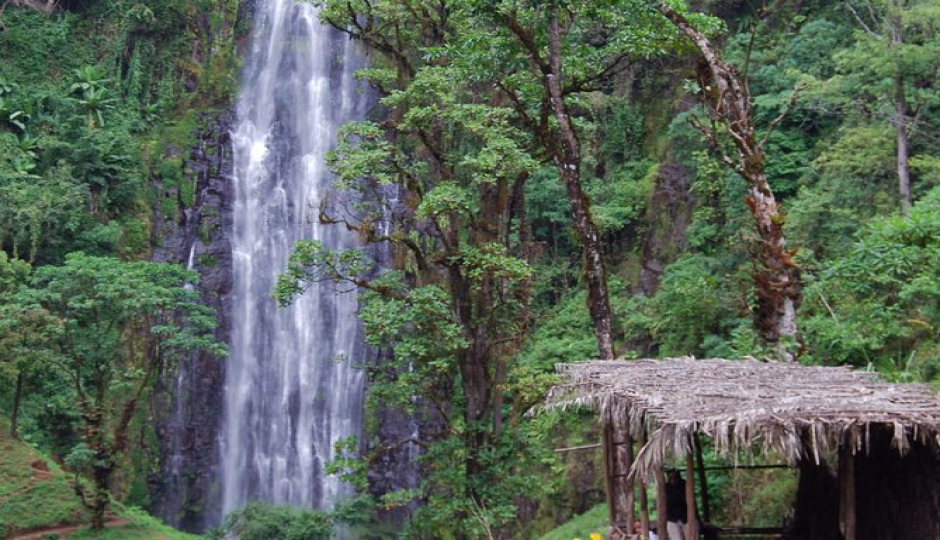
627 482
618 455
644 500
608 472
702 479
691 526
661 506
847 521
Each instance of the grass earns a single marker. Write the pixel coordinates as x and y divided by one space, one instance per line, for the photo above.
29 497
32 499
592 521
141 526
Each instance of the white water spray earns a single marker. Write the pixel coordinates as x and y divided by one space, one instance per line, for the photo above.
287 398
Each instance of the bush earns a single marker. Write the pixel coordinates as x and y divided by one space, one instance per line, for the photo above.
262 521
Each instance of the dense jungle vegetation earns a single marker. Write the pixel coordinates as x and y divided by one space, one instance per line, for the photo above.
576 184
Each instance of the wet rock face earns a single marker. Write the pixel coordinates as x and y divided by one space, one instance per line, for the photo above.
187 400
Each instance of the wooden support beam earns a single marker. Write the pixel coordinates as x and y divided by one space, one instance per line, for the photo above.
628 482
618 455
577 448
745 467
702 479
608 472
847 515
691 524
661 506
644 500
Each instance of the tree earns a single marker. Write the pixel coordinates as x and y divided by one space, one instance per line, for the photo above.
479 95
261 521
878 304
116 323
728 101
545 59
22 333
892 71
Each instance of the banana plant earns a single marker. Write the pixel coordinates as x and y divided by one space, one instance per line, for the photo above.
11 116
94 101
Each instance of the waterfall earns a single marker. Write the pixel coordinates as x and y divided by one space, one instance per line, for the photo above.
289 394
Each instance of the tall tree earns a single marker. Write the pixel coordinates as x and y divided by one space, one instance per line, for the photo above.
116 324
478 95
892 71
545 59
440 181
728 101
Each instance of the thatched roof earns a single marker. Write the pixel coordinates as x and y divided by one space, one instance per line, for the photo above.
802 412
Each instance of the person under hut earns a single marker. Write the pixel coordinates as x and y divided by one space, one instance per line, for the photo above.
676 509
638 532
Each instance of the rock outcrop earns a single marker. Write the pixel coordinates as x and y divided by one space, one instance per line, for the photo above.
188 395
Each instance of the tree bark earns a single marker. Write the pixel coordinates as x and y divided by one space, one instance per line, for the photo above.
901 118
777 277
15 412
904 173
567 159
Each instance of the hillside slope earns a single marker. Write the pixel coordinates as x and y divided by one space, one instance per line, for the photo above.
37 499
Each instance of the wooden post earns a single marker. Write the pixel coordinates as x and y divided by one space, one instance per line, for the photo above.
618 457
847 517
608 471
691 526
702 480
661 506
626 482
644 500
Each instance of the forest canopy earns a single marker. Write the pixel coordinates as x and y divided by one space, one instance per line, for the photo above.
553 181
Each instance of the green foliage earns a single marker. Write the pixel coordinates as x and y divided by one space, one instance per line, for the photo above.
97 100
140 526
33 499
106 326
260 521
695 311
878 305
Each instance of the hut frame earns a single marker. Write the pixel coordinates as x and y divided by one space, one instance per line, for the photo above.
802 413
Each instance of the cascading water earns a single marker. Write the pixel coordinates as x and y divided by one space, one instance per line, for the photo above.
287 398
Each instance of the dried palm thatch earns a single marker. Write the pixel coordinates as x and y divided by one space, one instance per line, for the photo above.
45 6
801 412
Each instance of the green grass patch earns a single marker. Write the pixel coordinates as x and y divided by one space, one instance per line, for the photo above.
140 526
34 492
592 521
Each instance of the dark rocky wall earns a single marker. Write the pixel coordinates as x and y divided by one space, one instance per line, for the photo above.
188 394
668 217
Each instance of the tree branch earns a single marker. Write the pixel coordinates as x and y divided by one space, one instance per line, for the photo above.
794 96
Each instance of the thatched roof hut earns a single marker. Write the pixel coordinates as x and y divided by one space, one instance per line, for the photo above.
804 413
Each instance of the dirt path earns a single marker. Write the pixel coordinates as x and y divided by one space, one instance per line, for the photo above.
40 474
64 531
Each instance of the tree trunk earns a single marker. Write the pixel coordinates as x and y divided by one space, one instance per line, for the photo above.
904 173
777 277
15 412
901 119
102 478
101 467
567 158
